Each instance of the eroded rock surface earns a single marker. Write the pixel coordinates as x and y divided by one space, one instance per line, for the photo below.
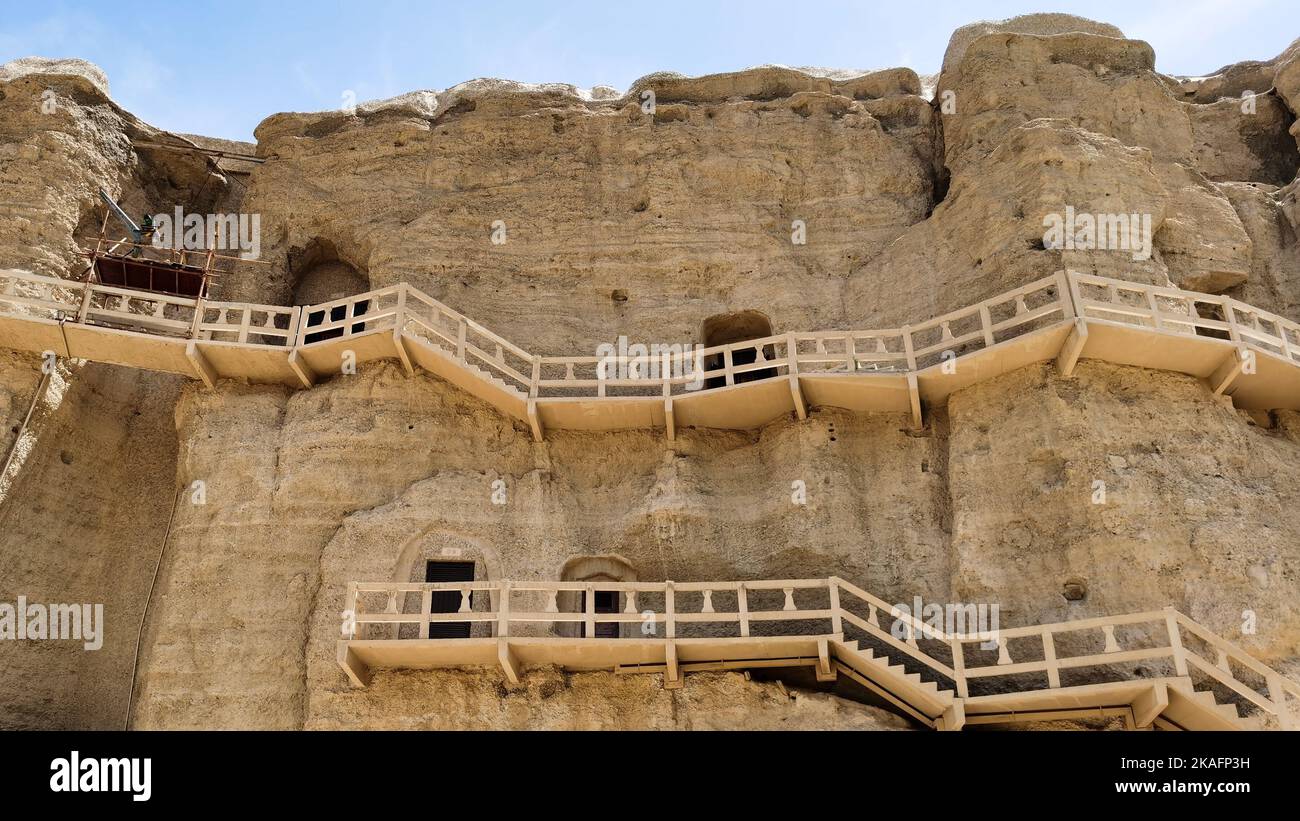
624 218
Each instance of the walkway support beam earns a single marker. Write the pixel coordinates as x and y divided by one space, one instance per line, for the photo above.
509 664
535 422
301 369
914 391
792 368
1068 358
672 672
1227 372
202 369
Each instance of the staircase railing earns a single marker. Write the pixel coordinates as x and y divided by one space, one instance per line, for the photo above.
565 611
656 609
674 371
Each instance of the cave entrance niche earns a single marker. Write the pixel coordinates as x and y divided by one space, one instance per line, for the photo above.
448 601
319 276
439 555
728 329
595 569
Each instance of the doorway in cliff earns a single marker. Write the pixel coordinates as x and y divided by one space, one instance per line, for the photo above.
728 329
606 602
449 601
321 276
595 570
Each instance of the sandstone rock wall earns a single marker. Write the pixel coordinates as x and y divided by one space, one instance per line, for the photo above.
685 213
83 523
618 221
85 515
295 511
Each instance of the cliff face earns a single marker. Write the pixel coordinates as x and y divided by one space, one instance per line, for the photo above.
685 212
626 219
89 491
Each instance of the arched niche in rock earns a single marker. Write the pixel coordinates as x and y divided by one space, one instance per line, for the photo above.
319 275
445 556
729 328
607 568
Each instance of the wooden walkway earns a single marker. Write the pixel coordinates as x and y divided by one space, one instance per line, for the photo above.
1239 351
936 678
944 680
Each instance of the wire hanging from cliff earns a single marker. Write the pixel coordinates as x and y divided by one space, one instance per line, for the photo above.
41 386
144 612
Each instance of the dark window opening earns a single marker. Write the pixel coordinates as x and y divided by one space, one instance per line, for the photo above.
448 601
606 601
337 314
728 329
320 276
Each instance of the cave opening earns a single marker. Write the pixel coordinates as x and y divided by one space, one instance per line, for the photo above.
448 601
319 276
728 329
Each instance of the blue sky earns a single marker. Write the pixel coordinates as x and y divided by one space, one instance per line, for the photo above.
219 68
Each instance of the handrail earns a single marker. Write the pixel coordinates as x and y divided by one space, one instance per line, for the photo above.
674 604
910 349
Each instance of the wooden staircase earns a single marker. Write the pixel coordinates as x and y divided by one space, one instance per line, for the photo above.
1237 350
940 679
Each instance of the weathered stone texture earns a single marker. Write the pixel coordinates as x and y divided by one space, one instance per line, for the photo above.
622 219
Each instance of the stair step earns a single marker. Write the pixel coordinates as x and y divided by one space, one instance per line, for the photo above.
1206 699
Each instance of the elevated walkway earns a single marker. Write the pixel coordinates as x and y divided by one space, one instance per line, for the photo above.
1069 670
1239 351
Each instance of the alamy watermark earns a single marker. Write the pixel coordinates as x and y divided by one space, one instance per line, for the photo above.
52 622
652 362
77 774
198 232
951 619
1098 232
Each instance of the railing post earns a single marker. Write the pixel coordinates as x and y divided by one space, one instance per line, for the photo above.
1049 658
537 376
352 607
590 608
83 312
742 607
461 329
399 315
670 611
986 324
1076 298
198 317
851 353
907 347
300 330
426 610
792 355
837 621
1065 290
295 316
503 611
1176 642
1286 343
728 366
1230 316
1154 308
959 666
